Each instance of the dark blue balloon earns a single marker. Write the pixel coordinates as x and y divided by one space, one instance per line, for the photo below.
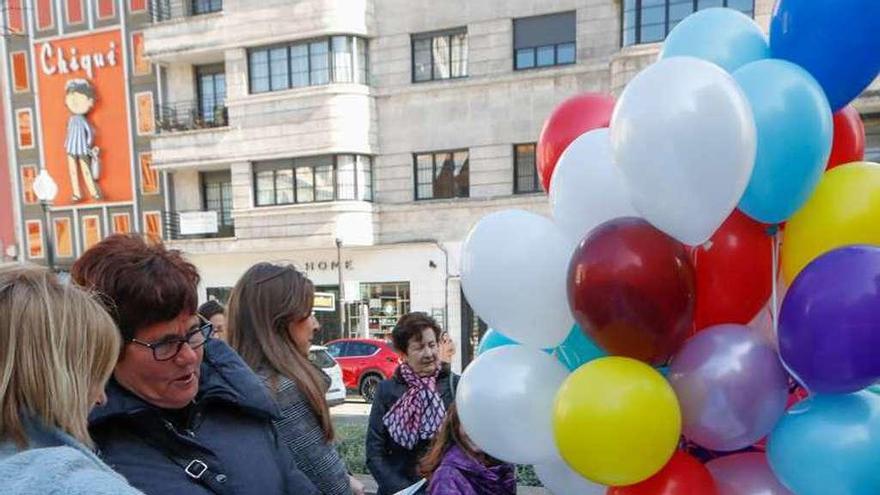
835 40
829 325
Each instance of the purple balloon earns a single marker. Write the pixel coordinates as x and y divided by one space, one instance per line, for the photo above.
829 326
745 474
731 387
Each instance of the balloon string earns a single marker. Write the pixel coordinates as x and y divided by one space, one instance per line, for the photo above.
774 303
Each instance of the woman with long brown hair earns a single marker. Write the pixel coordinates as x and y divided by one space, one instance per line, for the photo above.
455 466
271 325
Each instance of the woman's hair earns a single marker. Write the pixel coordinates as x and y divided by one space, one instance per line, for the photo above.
59 349
266 299
447 435
410 326
140 283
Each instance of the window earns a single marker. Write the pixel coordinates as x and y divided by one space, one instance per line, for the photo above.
34 238
141 65
442 175
44 14
20 78
217 194
386 302
211 87
91 228
15 16
63 237
649 21
321 359
525 177
121 223
361 349
438 56
149 175
28 176
74 9
313 179
200 7
153 225
544 40
24 128
106 9
338 59
337 349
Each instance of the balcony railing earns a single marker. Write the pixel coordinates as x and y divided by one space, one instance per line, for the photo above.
190 115
166 10
172 228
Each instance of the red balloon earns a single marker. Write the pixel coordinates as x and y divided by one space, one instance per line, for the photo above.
734 272
632 290
573 117
682 475
849 138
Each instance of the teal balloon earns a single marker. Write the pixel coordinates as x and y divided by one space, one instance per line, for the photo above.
829 445
577 349
795 129
492 339
725 37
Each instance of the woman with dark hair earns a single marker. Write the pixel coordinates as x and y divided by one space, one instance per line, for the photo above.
213 311
455 466
410 406
271 325
184 414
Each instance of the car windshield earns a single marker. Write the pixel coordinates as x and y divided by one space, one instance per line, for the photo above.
321 359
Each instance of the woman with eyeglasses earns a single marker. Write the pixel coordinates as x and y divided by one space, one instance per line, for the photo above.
184 414
271 325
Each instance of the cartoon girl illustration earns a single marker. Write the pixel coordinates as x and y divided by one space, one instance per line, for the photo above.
82 157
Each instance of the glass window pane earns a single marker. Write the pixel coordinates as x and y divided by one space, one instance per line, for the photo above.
342 61
265 187
444 176
284 186
745 6
546 55
678 10
299 65
459 54
524 161
345 187
462 174
440 53
324 183
653 21
424 176
259 71
319 63
226 203
525 58
422 60
705 4
365 178
363 60
565 53
220 88
278 66
305 185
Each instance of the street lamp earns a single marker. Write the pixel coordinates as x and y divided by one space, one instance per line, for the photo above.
46 189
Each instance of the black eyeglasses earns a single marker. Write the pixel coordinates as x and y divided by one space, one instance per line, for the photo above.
166 349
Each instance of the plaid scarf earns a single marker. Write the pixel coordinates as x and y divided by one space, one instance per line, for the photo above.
418 413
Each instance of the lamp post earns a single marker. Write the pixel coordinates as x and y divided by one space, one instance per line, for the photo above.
342 329
46 189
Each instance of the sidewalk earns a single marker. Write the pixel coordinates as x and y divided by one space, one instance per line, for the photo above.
522 490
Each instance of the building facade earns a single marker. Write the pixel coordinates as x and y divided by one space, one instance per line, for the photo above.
358 139
79 99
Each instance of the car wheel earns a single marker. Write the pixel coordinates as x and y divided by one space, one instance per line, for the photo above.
368 387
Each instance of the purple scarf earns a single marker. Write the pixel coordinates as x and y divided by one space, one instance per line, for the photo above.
418 413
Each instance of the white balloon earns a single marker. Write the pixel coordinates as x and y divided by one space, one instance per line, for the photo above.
514 267
505 403
560 479
684 134
587 189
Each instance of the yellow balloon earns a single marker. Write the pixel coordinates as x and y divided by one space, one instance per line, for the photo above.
616 421
844 210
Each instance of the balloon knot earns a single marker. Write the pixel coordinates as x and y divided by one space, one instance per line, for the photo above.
773 229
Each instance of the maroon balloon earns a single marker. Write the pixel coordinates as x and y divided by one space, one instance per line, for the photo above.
632 289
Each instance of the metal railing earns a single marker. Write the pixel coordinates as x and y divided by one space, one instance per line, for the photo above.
171 228
191 115
166 10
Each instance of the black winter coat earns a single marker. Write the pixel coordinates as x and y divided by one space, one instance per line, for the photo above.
229 430
392 465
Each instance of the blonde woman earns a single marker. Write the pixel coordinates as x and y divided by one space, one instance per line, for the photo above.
57 350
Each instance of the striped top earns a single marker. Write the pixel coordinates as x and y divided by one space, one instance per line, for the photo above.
300 431
79 136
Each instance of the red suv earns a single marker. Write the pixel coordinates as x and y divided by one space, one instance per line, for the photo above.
364 362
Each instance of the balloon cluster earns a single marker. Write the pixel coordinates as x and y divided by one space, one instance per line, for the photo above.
644 317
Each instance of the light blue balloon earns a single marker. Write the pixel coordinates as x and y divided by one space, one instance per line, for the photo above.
492 339
795 128
577 349
829 445
725 37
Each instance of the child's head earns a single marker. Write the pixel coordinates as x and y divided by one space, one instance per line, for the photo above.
450 433
79 96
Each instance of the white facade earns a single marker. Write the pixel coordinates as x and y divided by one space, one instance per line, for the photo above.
394 237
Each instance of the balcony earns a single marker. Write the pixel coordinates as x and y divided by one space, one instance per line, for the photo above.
191 115
198 224
167 10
